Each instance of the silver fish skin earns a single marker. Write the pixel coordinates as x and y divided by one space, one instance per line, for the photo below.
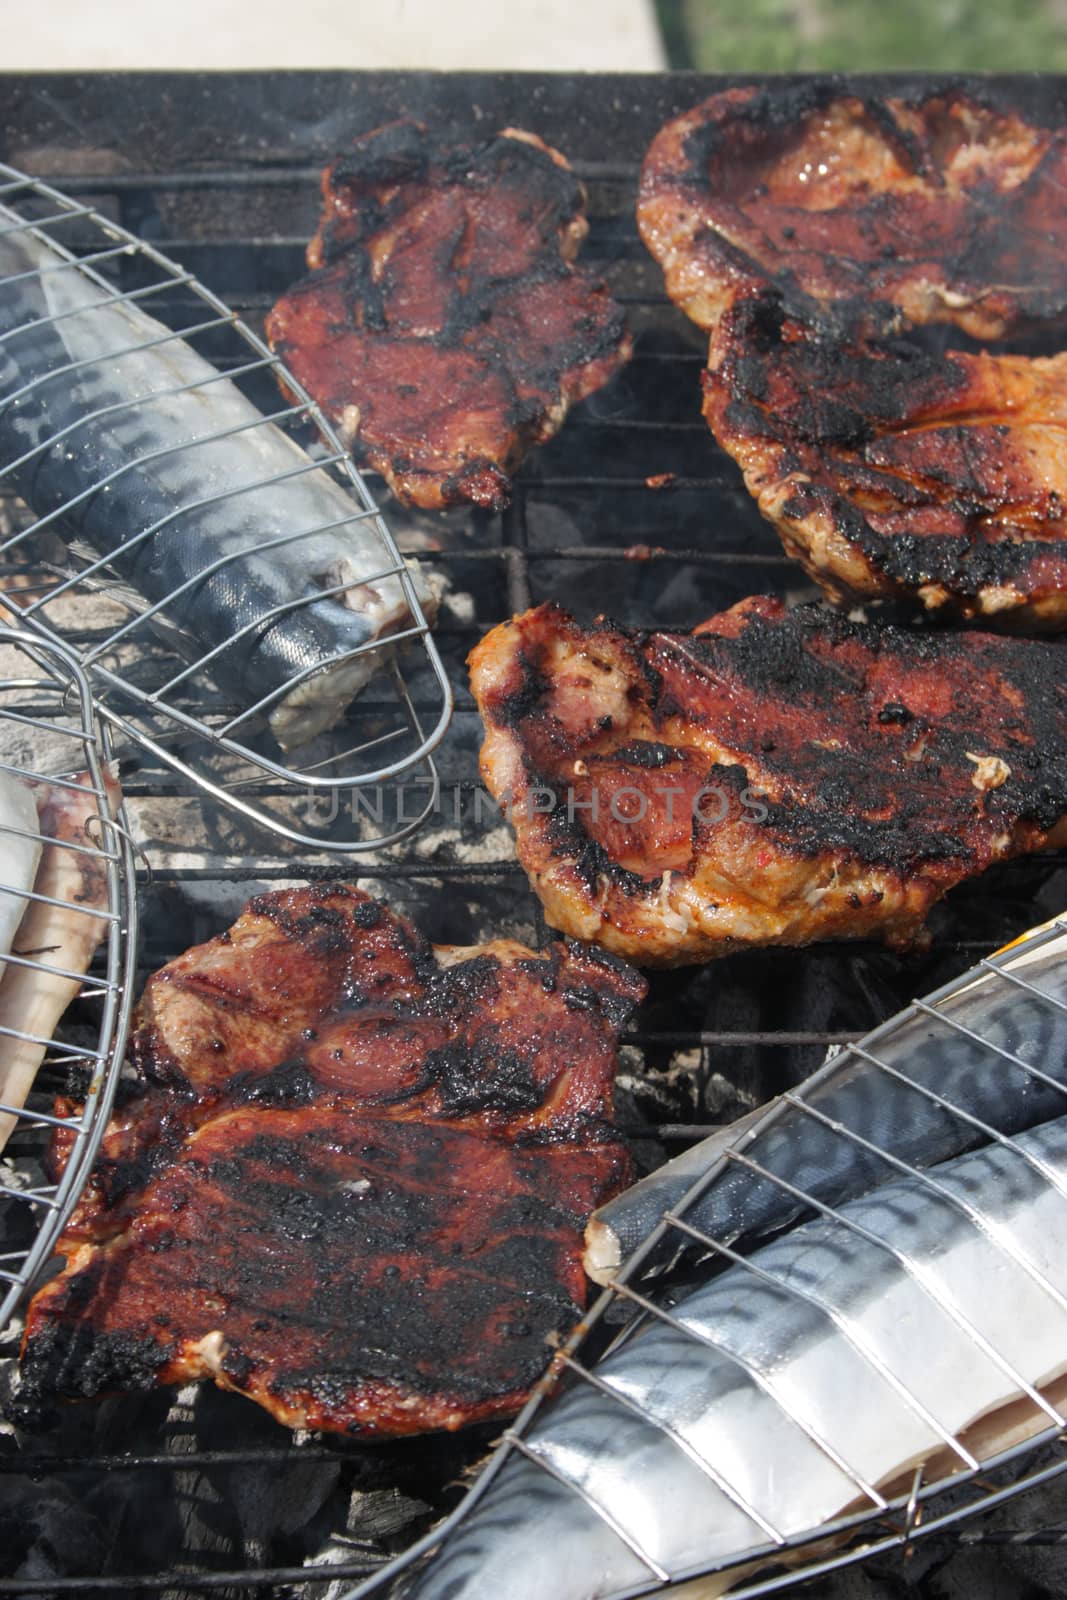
866 1339
72 372
926 1055
771 1394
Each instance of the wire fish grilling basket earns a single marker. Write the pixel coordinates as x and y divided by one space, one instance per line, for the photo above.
951 1111
228 593
50 739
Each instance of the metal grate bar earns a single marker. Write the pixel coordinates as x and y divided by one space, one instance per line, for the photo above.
841 1323
994 1049
915 1271
622 1533
63 691
181 1578
141 711
1021 983
761 1381
116 409
992 1134
919 1175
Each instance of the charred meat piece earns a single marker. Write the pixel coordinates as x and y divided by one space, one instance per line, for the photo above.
364 1275
370 1219
773 778
890 470
808 229
243 1005
944 202
444 328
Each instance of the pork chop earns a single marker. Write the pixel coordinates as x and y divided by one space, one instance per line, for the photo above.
892 471
365 1211
445 328
812 231
944 201
773 778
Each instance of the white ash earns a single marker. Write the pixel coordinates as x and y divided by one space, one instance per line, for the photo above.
375 1519
40 751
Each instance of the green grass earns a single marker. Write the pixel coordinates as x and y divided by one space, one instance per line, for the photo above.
850 35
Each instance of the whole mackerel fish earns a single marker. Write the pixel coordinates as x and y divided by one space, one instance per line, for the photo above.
917 1317
201 505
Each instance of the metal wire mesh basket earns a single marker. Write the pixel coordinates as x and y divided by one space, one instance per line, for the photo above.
228 593
964 1470
85 884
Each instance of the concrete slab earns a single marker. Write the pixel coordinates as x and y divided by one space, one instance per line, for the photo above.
490 35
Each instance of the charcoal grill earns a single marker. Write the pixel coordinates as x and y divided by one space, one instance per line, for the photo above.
221 173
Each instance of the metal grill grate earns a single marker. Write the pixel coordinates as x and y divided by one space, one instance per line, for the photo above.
236 206
86 286
43 694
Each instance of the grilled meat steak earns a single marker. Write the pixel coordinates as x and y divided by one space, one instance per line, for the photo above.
444 328
941 201
807 229
773 778
353 1181
890 470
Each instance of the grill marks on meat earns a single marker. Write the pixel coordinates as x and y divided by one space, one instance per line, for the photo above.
774 778
369 1221
808 230
941 202
363 1275
890 471
444 327
241 1008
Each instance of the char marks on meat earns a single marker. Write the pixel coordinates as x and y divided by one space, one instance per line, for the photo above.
352 1181
773 778
893 471
940 202
810 231
444 326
